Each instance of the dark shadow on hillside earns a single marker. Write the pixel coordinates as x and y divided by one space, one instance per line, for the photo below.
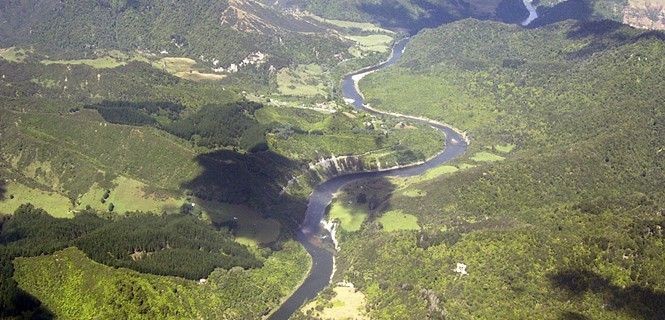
3 189
594 29
392 14
28 307
372 195
637 301
572 9
15 303
606 34
511 11
255 179
570 315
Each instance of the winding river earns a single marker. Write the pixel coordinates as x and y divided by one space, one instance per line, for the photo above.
321 272
533 14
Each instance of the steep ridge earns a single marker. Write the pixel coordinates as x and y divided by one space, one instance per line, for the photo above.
227 31
411 15
643 14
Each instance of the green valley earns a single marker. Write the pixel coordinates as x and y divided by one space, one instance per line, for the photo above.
255 159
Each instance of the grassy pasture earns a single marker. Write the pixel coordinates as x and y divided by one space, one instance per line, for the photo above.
73 286
414 193
107 62
130 195
486 157
347 303
185 68
351 217
370 43
303 80
397 220
362 26
17 194
439 171
505 148
14 54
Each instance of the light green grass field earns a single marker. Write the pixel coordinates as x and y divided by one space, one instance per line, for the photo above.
348 303
414 193
131 195
371 43
351 217
106 62
13 54
185 68
72 286
507 148
305 146
304 80
110 146
304 119
17 194
463 166
486 157
439 171
397 220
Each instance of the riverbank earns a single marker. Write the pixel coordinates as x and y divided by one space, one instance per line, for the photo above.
323 261
287 297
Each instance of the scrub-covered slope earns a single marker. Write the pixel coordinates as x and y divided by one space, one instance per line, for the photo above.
556 211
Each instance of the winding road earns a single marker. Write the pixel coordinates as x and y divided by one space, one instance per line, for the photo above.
321 272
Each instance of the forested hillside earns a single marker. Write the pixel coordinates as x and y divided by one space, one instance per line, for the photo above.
556 211
70 285
211 30
147 173
642 14
413 15
157 159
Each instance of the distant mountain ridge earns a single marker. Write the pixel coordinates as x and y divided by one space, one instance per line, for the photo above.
416 14
227 31
643 14
411 15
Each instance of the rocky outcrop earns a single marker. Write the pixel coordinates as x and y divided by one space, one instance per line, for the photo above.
645 14
434 308
253 16
334 166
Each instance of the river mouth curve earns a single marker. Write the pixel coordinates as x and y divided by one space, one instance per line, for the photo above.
309 235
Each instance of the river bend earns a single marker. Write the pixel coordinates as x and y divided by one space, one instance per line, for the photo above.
322 259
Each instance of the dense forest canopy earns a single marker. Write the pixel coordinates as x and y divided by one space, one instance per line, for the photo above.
192 28
162 156
176 245
559 199
414 15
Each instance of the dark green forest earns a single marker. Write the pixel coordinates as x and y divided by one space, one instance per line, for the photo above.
416 15
78 28
570 224
175 245
106 106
